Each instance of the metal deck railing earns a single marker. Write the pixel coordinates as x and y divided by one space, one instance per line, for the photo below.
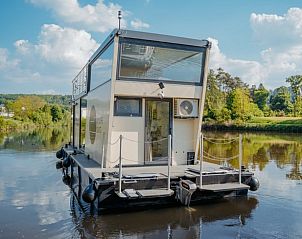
80 83
202 154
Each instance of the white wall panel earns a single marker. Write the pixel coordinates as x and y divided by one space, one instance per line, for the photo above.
183 140
151 89
95 141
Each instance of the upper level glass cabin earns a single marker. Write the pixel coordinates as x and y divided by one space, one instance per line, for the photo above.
144 87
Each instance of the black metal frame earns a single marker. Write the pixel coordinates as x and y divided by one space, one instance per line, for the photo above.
128 98
97 56
170 101
169 45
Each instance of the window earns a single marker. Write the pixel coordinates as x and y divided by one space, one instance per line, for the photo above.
128 107
161 61
101 68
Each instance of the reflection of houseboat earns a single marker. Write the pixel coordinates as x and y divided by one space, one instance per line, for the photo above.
140 146
172 223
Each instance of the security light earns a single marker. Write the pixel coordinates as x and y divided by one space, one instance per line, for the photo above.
161 85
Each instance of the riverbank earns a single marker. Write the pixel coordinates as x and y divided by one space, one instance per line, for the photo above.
273 124
8 125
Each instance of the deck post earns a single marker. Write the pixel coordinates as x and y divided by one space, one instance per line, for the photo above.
103 156
120 166
201 159
169 159
240 156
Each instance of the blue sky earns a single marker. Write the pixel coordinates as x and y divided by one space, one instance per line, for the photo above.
44 43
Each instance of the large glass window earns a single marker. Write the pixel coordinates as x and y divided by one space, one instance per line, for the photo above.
163 62
101 68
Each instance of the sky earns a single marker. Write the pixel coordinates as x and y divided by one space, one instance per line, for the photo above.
45 43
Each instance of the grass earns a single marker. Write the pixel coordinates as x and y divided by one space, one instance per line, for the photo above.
278 124
276 120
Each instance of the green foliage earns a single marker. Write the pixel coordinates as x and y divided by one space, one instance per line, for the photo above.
33 111
295 84
260 97
215 100
298 106
280 100
56 113
25 106
239 103
50 99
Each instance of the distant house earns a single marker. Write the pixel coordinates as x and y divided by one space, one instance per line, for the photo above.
4 112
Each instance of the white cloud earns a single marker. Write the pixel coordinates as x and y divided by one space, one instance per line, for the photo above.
138 24
271 29
281 36
22 46
51 63
249 71
66 46
5 62
100 17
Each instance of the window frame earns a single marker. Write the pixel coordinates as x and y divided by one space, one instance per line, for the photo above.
115 112
90 66
162 45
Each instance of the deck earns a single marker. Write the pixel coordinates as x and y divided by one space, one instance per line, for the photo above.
153 182
94 170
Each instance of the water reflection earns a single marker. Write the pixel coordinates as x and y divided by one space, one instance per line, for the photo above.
44 139
34 203
164 223
260 149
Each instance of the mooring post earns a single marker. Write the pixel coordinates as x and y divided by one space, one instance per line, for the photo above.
201 159
240 156
169 159
120 166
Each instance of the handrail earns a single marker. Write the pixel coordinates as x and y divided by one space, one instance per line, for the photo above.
121 158
169 160
201 151
120 166
80 83
215 158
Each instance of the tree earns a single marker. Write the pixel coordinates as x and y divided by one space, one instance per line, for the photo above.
227 83
56 113
298 106
280 100
24 106
295 84
215 100
260 97
9 105
239 103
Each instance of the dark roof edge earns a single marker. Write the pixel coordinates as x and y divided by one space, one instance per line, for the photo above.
150 37
104 44
163 38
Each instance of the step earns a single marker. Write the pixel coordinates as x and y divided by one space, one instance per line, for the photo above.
130 193
161 192
224 187
145 193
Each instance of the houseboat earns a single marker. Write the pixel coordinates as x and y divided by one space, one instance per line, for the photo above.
136 140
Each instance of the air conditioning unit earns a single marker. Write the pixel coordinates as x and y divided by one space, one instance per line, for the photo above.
185 108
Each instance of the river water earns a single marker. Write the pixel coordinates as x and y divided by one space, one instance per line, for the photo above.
34 203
